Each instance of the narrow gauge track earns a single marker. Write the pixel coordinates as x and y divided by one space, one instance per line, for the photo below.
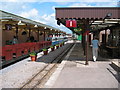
42 74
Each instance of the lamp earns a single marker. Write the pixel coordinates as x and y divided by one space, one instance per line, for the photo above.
108 16
44 27
36 26
58 22
20 22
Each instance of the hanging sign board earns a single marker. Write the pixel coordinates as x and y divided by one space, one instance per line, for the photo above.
71 23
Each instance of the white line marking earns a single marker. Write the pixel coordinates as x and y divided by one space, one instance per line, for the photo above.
71 23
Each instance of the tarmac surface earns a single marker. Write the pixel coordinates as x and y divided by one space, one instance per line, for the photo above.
73 73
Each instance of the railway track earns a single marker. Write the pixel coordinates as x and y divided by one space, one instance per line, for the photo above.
38 80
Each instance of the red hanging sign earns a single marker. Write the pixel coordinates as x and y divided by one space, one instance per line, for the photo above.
71 23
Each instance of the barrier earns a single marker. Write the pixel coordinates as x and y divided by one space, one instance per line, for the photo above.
18 50
7 52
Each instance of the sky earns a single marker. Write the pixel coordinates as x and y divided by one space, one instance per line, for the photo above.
44 10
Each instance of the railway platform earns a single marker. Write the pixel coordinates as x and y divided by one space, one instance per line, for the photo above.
73 73
70 73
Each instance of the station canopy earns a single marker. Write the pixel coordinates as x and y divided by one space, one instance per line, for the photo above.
8 18
98 18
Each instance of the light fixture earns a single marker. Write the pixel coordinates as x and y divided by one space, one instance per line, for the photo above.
4 20
110 22
51 29
44 27
20 22
58 22
36 26
98 21
109 14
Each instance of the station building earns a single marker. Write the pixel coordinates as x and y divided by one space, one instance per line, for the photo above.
100 22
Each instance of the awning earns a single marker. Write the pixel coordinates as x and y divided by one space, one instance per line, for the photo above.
97 17
14 19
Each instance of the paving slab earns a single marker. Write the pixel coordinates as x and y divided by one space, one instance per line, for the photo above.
73 73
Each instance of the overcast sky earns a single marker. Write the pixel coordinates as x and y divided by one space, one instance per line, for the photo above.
44 10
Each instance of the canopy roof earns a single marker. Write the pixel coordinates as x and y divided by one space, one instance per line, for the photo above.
98 17
87 12
14 19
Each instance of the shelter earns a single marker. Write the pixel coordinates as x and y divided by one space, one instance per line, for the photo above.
90 21
22 28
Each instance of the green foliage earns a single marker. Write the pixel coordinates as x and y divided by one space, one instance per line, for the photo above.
8 42
51 46
57 45
33 54
44 49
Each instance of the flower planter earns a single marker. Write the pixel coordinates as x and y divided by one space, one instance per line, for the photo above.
60 45
63 44
57 47
52 49
33 58
45 52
